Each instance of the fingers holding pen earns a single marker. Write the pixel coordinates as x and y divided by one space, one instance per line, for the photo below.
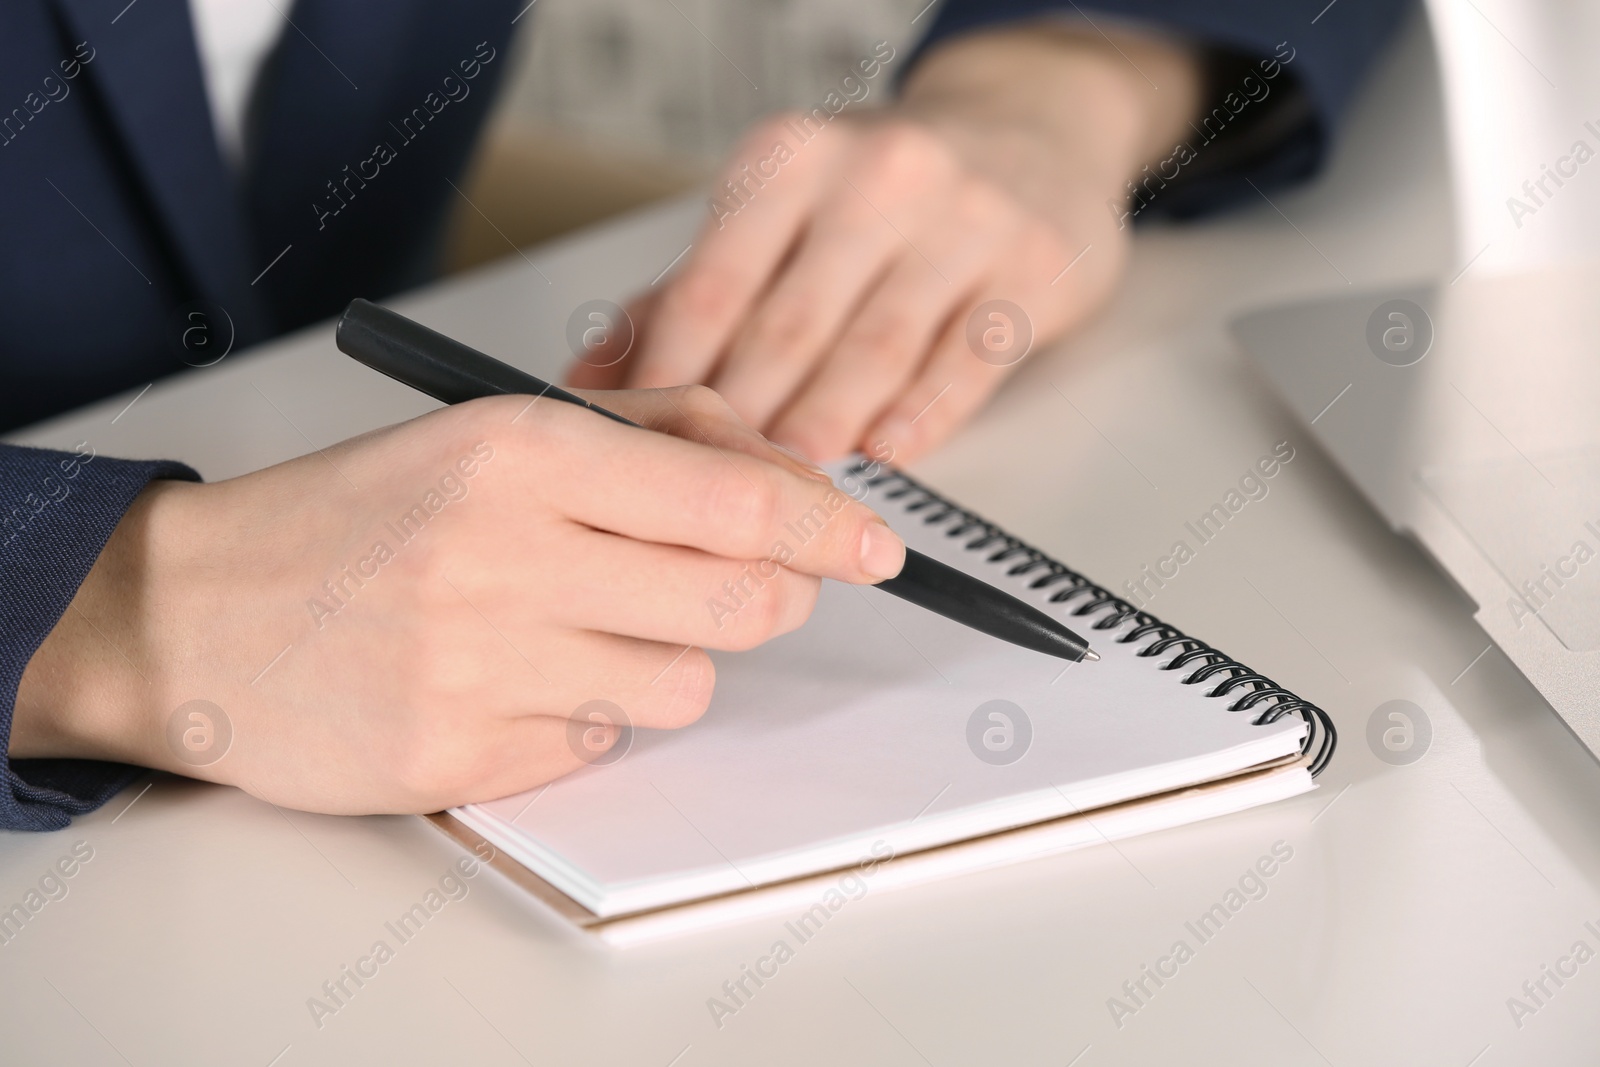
696 413
721 501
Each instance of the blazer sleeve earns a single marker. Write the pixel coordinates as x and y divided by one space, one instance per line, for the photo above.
57 511
1272 131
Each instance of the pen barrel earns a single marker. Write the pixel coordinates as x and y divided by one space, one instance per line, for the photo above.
970 601
430 362
435 364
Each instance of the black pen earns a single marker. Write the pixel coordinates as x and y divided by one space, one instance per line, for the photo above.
448 370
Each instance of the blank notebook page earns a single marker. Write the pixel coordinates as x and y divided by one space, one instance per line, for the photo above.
856 729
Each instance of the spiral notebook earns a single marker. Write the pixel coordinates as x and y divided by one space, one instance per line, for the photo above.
879 730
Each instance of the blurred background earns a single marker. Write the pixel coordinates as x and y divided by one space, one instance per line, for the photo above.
611 104
684 77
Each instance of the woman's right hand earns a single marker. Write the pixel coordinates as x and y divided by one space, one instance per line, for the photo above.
411 619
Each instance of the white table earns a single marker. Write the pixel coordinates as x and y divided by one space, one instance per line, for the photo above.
1418 899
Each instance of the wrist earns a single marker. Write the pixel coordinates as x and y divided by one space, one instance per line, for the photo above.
1055 111
93 688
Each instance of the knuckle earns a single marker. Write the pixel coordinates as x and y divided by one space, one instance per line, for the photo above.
980 203
531 428
486 411
799 599
701 400
784 329
883 338
765 614
704 294
746 633
904 155
778 604
740 636
693 683
743 507
481 422
1037 248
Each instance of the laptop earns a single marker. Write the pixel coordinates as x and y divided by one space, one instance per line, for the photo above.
1468 414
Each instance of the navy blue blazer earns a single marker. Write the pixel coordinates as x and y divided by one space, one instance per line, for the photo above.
122 218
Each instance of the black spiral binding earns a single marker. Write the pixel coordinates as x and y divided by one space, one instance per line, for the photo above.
1269 700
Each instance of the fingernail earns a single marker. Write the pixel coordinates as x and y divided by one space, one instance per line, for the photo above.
882 551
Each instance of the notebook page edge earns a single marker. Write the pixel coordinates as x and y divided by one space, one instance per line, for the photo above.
1013 812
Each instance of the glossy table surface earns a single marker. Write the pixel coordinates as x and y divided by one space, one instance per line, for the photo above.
1414 901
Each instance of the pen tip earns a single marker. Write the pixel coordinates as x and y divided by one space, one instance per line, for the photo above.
1091 655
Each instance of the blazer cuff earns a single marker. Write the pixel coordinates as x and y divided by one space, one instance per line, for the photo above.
57 511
